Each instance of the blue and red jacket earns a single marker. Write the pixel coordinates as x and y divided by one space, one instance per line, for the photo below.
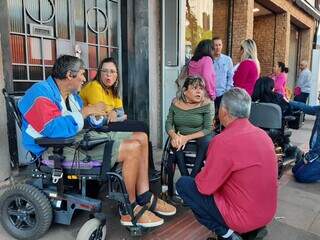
45 114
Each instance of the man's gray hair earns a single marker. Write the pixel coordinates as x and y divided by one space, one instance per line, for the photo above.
237 102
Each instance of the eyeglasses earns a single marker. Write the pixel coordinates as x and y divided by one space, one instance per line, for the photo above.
108 71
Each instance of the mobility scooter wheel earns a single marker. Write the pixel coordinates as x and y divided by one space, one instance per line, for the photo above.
25 212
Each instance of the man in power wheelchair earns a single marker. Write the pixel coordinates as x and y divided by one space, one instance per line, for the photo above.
52 126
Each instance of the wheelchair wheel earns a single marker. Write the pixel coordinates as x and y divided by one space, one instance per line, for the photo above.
164 163
25 212
92 230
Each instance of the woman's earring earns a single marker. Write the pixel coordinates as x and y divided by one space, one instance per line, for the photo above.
116 83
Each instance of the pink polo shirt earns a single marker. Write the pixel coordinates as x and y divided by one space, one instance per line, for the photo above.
246 75
204 68
241 174
280 83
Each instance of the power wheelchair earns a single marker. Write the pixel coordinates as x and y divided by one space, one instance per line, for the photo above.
268 116
55 189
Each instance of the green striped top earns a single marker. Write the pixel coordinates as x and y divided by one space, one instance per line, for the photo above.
190 121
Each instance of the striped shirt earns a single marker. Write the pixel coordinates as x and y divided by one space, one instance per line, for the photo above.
190 121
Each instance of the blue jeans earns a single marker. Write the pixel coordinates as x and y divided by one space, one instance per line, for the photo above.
203 207
307 172
202 146
303 97
307 109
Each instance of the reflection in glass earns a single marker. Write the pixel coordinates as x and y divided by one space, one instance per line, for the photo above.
34 45
62 18
47 11
80 21
91 21
93 57
35 73
92 74
103 53
32 6
102 22
114 54
113 20
49 51
17 49
199 15
21 86
48 71
19 72
16 16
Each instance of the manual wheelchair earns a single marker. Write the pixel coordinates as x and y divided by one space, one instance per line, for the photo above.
55 189
169 166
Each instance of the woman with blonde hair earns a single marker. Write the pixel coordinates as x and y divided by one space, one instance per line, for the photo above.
248 70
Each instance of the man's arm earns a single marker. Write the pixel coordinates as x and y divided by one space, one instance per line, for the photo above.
217 169
46 118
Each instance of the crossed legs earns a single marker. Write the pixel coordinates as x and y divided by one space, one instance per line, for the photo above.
133 153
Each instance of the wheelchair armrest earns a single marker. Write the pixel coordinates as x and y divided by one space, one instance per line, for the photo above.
55 142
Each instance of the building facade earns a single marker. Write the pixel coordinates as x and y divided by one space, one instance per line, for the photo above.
151 40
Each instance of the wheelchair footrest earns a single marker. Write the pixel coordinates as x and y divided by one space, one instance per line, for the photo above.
136 231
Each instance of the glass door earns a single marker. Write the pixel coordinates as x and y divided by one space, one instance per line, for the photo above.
41 30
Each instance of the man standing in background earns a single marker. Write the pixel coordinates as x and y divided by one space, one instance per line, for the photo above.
223 67
303 88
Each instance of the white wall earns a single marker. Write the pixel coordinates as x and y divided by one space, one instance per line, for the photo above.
154 71
4 146
315 69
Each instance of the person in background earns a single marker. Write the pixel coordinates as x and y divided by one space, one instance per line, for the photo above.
280 78
201 65
264 91
236 190
223 67
190 117
303 87
105 89
248 70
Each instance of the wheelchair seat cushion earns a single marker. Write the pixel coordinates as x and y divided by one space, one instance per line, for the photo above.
71 164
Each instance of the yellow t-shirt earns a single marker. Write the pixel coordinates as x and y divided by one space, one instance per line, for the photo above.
93 93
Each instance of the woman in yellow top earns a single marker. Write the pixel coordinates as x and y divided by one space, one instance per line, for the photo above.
105 88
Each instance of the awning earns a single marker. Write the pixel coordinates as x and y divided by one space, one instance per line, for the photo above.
308 8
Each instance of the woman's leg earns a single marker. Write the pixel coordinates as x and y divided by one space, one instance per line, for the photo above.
202 146
179 157
133 126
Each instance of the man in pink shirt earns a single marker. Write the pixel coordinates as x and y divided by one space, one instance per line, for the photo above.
236 191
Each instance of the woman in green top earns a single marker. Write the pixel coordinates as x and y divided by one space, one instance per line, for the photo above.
190 117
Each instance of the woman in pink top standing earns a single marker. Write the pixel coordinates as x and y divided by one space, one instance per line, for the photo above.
201 64
280 78
248 70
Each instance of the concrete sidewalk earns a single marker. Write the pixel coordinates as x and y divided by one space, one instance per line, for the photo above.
297 218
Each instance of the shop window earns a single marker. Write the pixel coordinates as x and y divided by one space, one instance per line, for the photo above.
199 19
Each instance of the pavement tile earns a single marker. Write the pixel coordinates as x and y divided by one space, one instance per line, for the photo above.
300 198
315 226
281 231
295 215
